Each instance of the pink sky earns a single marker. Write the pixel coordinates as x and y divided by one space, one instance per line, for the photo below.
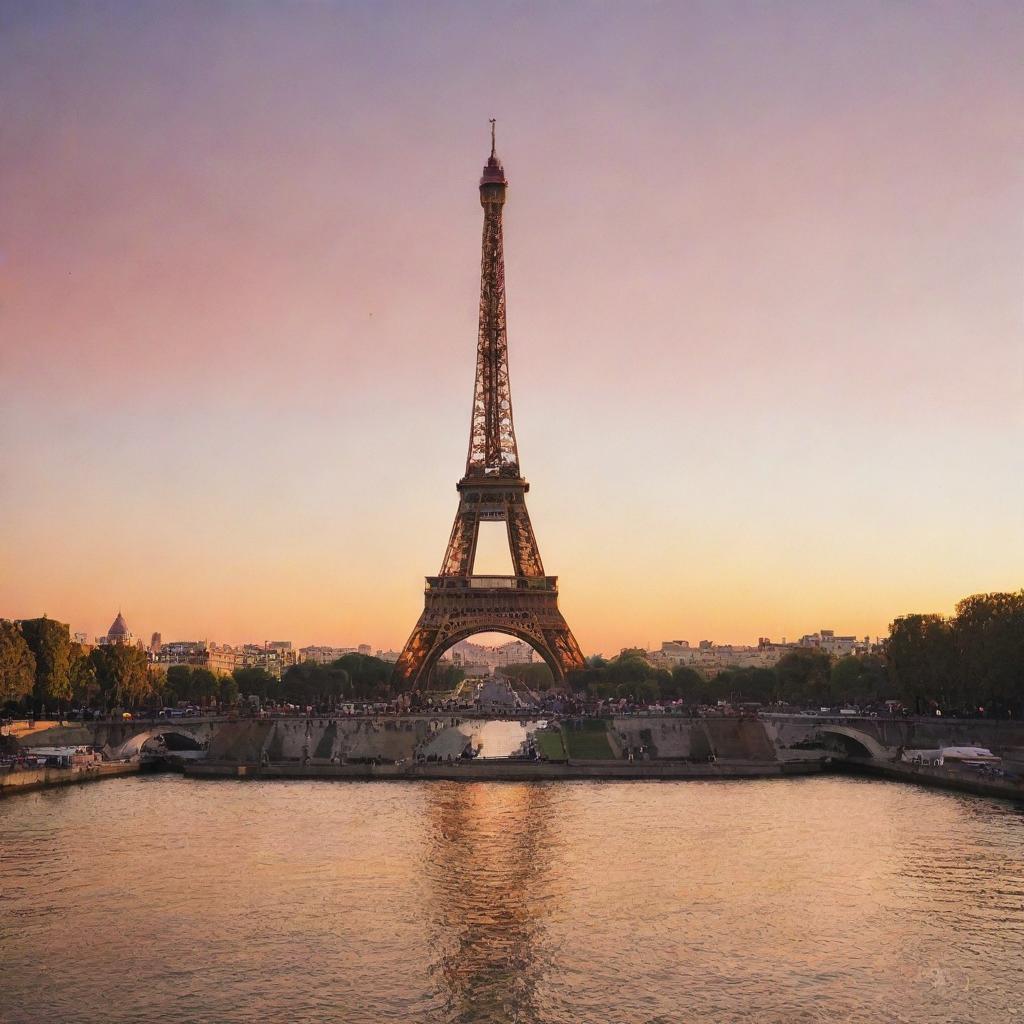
764 271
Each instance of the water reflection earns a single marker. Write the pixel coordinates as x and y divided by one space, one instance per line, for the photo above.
488 862
172 901
502 738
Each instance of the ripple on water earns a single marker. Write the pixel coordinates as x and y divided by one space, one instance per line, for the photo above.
825 899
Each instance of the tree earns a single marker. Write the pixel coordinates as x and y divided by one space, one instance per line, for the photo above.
757 685
642 690
629 668
972 661
371 677
446 677
122 673
228 690
302 683
922 656
17 664
628 676
256 682
686 683
84 686
50 643
859 679
535 675
333 684
988 636
178 683
205 686
804 676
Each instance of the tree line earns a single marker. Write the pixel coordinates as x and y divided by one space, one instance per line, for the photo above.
42 668
970 663
803 676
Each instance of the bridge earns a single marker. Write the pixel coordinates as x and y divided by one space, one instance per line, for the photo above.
120 738
336 739
861 737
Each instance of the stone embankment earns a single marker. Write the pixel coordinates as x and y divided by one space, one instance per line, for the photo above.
25 780
645 746
393 739
628 747
938 777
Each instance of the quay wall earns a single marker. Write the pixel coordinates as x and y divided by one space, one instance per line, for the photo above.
650 736
398 738
672 737
26 780
999 736
942 777
655 738
389 738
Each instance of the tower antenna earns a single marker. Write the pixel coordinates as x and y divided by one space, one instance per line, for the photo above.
493 120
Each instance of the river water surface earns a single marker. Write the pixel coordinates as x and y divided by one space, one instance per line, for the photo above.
826 899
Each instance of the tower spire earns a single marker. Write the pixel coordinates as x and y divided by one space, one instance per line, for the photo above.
492 438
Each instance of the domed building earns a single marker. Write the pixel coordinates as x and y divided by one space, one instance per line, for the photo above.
119 633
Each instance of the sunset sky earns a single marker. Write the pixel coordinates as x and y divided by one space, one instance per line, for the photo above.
764 264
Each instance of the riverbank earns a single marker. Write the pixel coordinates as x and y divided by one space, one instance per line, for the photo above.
938 777
26 780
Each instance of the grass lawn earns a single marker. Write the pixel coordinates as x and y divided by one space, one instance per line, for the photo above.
549 744
589 744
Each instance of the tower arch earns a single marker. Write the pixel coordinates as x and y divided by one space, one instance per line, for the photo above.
441 648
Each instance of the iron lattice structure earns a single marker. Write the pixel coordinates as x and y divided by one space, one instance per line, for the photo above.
457 603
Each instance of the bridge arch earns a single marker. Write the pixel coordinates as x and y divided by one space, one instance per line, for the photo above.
181 734
855 742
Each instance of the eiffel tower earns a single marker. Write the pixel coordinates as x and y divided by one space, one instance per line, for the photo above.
457 603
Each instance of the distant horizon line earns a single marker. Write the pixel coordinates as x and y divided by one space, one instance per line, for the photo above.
92 637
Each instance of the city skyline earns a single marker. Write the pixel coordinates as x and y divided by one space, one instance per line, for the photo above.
766 362
489 639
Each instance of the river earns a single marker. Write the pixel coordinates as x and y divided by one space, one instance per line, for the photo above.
160 899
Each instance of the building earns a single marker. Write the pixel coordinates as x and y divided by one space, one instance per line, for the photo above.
218 658
515 652
155 642
466 654
274 656
119 633
709 658
836 646
324 655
